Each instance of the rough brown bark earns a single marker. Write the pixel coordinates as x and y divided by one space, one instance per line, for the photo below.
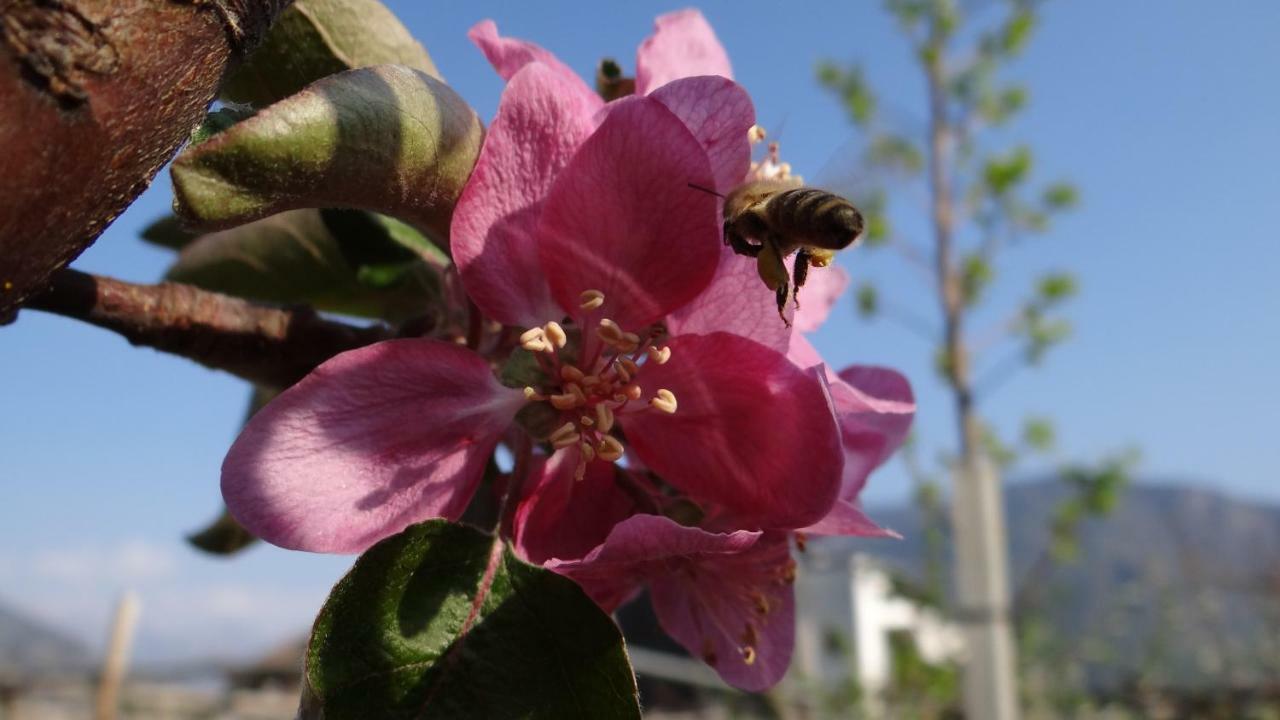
96 95
267 345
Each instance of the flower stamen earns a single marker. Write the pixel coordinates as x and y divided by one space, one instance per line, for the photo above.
591 299
664 400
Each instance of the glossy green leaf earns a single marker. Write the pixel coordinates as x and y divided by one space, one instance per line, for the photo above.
315 38
442 621
387 138
342 261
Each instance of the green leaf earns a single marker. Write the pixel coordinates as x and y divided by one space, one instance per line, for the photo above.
1055 287
386 138
851 87
1016 32
975 276
341 261
893 152
868 300
1060 196
223 536
315 38
169 232
1038 434
1002 173
443 621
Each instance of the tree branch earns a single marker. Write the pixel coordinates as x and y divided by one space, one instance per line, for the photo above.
263 344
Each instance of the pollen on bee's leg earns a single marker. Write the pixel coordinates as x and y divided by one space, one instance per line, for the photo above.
664 400
590 299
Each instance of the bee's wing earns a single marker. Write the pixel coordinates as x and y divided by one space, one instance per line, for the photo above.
843 172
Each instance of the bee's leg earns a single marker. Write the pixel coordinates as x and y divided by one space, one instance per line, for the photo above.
773 271
740 244
800 273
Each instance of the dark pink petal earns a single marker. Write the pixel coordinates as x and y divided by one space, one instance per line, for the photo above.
509 55
370 442
643 547
752 432
736 301
736 612
541 121
565 518
819 294
682 45
621 217
875 407
719 113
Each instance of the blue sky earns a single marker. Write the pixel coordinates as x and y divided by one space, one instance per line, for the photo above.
1166 120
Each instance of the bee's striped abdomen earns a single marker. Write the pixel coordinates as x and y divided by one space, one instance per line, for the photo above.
815 217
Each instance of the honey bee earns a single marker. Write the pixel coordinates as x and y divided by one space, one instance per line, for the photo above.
770 220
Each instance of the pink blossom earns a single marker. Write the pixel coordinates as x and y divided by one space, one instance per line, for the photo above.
579 226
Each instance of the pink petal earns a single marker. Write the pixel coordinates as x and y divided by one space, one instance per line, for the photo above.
642 547
682 45
752 432
735 301
541 121
563 518
719 113
370 442
819 294
622 219
875 407
732 602
509 55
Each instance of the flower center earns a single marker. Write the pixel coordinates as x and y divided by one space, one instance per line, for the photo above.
601 385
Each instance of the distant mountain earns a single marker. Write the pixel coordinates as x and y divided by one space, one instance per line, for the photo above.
28 647
1179 585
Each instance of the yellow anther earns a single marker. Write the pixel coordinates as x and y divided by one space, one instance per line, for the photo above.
755 134
533 339
586 421
609 332
749 655
565 429
632 391
664 400
570 373
566 441
567 401
589 380
659 355
604 416
588 452
555 334
609 449
629 342
533 395
591 299
576 390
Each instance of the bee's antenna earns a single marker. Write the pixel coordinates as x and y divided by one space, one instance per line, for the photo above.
705 190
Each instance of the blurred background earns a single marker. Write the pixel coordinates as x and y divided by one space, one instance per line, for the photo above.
1113 169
